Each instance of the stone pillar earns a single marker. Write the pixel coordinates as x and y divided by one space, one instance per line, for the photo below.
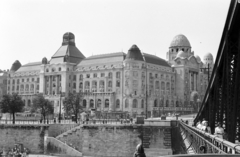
57 84
190 81
194 79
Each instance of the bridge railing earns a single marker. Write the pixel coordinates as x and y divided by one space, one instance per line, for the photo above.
202 142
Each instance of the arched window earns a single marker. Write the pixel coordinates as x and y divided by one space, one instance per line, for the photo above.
29 103
126 103
134 103
91 103
110 75
46 70
117 103
27 88
167 103
80 85
59 69
106 103
87 85
81 77
142 103
99 103
118 75
172 103
24 102
84 103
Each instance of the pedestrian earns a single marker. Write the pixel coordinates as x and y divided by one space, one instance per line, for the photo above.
139 151
219 131
206 127
199 125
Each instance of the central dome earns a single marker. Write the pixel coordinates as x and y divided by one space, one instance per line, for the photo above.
180 41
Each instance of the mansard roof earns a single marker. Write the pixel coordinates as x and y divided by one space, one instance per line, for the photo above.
33 66
155 60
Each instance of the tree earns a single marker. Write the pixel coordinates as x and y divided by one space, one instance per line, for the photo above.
72 104
42 105
12 104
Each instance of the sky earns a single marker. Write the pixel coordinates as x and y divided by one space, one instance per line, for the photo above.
33 29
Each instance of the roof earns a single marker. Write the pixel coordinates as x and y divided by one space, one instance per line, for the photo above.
33 66
103 59
180 41
155 60
75 56
134 53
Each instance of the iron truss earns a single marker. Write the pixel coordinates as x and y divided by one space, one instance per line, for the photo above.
222 100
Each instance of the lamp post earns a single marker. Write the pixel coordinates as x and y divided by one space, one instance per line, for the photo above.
198 101
59 116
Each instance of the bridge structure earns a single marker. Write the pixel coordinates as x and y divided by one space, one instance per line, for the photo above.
221 103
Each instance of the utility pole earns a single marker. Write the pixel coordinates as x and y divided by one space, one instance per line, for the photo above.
208 71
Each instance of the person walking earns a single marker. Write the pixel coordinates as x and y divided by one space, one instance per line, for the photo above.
139 151
219 131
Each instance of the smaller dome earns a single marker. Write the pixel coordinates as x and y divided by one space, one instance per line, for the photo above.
134 53
15 66
68 39
208 55
182 54
198 58
44 60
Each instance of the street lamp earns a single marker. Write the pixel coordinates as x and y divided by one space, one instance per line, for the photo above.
198 101
59 116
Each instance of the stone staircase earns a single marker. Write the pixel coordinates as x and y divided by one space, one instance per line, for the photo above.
157 142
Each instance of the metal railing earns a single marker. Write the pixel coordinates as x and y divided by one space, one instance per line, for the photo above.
202 142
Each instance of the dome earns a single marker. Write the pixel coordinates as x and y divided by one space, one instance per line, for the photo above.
44 60
182 54
15 66
208 58
198 58
208 55
134 53
180 41
68 39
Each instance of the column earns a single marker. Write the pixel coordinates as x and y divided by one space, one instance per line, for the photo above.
194 81
49 85
190 81
57 84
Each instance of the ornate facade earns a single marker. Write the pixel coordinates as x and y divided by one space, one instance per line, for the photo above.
133 82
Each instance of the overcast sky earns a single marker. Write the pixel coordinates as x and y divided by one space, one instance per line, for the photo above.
33 29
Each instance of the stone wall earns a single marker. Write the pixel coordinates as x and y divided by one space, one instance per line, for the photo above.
57 129
31 136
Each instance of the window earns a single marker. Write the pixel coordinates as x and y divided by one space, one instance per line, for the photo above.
81 77
69 77
110 75
95 75
106 103
17 81
167 103
99 103
37 87
118 103
110 84
134 103
118 75
27 79
74 85
53 69
117 83
13 81
126 103
142 104
37 80
156 75
91 103
102 74
88 75
59 69
46 70
84 103
135 83
74 77
155 103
